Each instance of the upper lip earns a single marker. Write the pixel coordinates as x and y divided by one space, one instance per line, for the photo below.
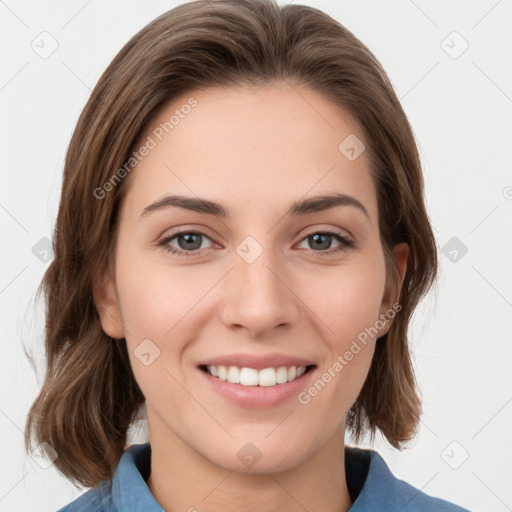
256 362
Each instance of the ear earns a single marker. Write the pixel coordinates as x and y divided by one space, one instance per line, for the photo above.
400 253
107 303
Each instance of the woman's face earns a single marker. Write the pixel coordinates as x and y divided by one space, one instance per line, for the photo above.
254 282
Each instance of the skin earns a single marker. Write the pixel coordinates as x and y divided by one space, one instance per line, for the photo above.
255 151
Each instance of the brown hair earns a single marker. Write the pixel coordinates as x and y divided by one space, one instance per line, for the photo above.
89 397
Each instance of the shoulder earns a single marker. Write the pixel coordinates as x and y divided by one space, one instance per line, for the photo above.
380 491
94 500
128 486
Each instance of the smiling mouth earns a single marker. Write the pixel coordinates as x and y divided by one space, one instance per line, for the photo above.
266 377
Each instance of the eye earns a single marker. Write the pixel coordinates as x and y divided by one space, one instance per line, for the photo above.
323 239
189 243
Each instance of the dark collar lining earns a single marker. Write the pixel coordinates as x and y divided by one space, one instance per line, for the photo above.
357 465
142 459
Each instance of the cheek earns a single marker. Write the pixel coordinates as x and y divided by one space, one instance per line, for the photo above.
348 310
167 306
346 300
155 298
159 304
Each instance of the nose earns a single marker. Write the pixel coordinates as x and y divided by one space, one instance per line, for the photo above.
259 296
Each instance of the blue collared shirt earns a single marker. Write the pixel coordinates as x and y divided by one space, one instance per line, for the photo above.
369 480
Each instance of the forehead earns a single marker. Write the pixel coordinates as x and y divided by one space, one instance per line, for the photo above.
250 147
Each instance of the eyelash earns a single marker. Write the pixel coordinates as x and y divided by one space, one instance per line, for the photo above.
345 242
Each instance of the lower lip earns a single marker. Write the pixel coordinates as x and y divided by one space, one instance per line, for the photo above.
258 396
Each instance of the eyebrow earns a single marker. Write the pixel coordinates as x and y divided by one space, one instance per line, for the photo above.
302 207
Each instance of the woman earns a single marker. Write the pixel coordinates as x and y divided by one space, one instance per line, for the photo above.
240 245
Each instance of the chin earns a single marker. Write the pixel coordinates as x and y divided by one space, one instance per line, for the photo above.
259 456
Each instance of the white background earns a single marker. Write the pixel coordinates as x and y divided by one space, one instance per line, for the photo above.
460 109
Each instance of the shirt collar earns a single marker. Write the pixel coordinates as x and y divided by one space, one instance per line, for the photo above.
129 482
368 478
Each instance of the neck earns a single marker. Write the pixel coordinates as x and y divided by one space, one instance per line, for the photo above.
181 479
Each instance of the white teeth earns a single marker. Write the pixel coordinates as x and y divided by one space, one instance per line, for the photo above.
282 375
267 377
223 373
252 377
233 374
248 376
